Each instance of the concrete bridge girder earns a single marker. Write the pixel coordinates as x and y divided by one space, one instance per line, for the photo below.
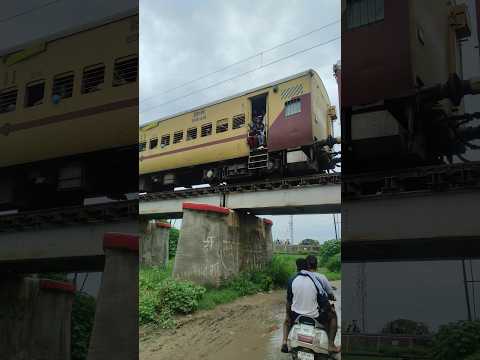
324 199
65 249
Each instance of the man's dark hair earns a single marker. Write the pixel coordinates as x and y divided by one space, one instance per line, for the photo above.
311 262
301 264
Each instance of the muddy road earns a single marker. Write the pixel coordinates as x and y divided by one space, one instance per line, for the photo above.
248 328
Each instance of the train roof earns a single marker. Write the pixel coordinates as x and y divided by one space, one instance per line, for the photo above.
246 92
71 31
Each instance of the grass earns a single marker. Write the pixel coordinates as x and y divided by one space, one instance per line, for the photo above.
161 296
214 297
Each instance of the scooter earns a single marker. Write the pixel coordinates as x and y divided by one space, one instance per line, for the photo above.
308 340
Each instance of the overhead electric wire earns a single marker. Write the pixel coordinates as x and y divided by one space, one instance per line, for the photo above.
242 74
242 60
11 17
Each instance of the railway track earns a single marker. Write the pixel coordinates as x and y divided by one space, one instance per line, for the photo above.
69 216
286 183
419 180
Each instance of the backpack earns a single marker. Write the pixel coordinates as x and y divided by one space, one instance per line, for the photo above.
322 298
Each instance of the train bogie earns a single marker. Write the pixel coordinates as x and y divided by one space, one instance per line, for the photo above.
394 54
210 144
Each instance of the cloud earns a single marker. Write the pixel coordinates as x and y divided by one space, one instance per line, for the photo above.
182 40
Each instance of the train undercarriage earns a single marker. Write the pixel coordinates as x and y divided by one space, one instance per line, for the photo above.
68 181
261 164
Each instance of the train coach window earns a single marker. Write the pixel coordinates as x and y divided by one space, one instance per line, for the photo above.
8 100
364 12
222 126
153 143
165 140
142 146
191 134
238 121
34 94
93 78
125 70
63 85
177 137
206 130
293 107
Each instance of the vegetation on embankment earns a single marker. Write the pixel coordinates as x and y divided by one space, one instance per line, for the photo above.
162 297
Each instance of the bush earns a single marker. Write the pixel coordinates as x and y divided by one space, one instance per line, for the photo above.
457 340
161 297
180 296
334 264
474 356
280 269
328 249
173 242
83 314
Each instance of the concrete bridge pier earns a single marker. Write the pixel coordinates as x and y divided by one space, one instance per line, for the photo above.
145 245
207 249
35 318
217 243
115 330
268 238
253 242
160 238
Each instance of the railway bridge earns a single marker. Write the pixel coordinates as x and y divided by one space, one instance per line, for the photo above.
99 238
63 240
420 213
319 194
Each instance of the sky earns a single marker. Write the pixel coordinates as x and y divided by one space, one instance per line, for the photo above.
181 41
28 20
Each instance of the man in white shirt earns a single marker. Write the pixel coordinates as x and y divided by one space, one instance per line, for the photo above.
308 295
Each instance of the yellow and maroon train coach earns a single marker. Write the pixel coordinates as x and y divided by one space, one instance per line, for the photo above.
69 116
209 144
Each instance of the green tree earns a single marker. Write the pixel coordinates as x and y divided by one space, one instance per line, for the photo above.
312 242
328 249
456 341
405 326
172 242
334 264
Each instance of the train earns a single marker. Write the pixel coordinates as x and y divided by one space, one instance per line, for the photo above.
210 143
69 116
403 103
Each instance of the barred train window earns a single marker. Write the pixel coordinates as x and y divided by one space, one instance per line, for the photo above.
165 140
34 94
93 78
199 115
8 100
222 126
191 134
125 70
63 85
293 107
238 121
206 130
153 143
177 137
142 146
364 12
